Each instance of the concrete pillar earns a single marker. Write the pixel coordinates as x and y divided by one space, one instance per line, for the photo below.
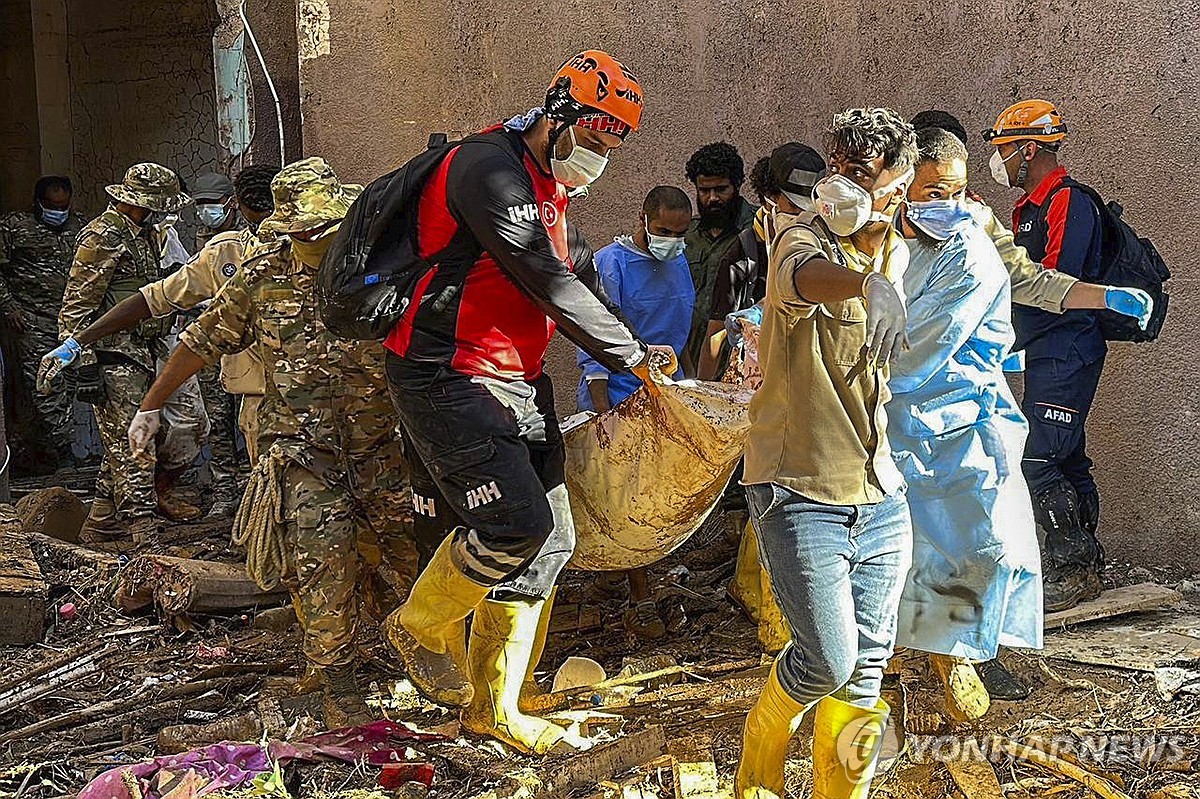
53 79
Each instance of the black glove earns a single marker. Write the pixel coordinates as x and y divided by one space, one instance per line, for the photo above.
89 384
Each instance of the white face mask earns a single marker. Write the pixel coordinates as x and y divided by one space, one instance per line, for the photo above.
846 206
212 215
580 167
938 219
664 248
999 172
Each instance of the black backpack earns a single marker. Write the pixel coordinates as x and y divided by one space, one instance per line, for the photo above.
1130 261
366 279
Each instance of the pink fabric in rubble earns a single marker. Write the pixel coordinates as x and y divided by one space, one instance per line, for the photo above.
229 765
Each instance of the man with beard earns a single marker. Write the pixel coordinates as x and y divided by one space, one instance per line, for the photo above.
717 172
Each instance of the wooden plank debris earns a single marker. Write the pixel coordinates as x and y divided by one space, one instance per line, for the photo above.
1142 644
585 770
22 588
693 771
975 778
1117 602
180 585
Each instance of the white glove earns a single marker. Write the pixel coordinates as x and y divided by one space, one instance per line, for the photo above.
142 430
886 319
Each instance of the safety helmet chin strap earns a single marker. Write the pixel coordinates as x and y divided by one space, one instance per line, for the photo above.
1023 169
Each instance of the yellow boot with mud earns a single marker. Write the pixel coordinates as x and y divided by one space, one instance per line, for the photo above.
500 656
967 698
846 744
770 726
530 690
746 586
773 632
429 630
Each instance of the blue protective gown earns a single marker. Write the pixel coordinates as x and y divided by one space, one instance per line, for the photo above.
957 435
656 299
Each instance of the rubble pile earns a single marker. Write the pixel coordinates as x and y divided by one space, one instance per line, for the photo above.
184 677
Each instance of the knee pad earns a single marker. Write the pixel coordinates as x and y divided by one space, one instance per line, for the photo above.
1057 509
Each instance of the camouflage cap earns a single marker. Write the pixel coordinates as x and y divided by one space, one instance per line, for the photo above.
308 195
150 186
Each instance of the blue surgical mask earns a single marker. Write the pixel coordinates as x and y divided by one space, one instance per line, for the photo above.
212 215
664 248
54 217
939 219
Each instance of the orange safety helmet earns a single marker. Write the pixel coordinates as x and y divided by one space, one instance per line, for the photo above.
1028 120
596 91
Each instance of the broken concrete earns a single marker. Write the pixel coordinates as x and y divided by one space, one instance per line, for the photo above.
54 512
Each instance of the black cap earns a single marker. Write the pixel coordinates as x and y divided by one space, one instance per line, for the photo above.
211 186
796 168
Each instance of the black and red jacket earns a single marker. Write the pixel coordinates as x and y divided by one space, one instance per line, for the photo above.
493 224
1060 227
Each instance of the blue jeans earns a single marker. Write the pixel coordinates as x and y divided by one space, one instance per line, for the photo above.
837 572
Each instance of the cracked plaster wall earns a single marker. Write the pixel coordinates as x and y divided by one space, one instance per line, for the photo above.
142 89
759 72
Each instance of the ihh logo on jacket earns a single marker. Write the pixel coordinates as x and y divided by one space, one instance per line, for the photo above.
523 213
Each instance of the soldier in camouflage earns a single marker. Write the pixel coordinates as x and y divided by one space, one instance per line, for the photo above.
36 247
189 289
325 417
118 253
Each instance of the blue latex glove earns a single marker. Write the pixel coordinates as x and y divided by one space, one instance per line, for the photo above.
733 330
1014 362
1130 302
55 361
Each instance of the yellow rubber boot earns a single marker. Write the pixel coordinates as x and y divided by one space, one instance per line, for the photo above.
966 697
429 630
846 744
746 587
770 725
502 643
773 632
530 690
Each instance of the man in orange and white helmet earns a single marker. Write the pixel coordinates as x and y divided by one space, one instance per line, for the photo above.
466 372
1058 223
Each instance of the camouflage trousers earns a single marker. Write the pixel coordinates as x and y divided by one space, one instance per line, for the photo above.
222 438
43 425
349 548
128 482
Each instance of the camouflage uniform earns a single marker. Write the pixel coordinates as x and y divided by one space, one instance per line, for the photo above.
34 259
325 411
114 259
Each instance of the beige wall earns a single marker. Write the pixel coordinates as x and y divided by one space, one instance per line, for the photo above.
758 73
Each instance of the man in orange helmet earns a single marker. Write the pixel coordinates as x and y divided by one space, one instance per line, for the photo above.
466 373
1059 225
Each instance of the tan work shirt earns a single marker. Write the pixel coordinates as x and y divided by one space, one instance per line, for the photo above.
1032 283
201 279
817 423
